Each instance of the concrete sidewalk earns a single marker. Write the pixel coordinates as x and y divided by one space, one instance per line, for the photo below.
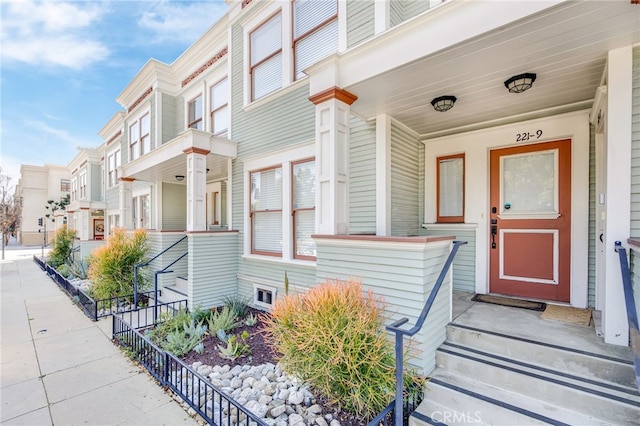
57 367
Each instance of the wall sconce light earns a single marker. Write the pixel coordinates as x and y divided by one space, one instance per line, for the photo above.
520 83
207 170
179 178
443 103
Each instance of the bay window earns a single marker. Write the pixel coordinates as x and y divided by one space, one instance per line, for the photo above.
219 107
315 32
266 212
266 57
195 113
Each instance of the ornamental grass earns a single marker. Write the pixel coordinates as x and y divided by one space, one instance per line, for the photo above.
333 337
111 266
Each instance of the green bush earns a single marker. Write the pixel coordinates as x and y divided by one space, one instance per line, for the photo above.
111 266
334 338
225 320
62 247
64 270
238 304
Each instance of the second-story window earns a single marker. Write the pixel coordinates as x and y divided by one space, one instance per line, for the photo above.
65 185
315 32
139 137
113 162
74 188
195 114
266 57
219 107
83 186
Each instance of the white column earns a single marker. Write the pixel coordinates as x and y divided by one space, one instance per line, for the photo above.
83 232
618 188
196 189
126 201
383 175
382 16
332 160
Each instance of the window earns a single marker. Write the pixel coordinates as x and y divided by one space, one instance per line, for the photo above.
315 32
139 137
113 221
219 108
83 186
74 189
113 162
450 188
303 178
266 57
266 212
141 212
65 185
195 114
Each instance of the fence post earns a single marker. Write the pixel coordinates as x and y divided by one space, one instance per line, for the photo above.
165 374
135 286
399 380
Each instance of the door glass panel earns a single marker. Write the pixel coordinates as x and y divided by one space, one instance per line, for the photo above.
529 183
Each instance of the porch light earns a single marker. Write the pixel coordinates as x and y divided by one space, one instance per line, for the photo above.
521 82
443 103
179 178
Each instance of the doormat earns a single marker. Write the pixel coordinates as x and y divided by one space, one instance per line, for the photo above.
567 314
507 301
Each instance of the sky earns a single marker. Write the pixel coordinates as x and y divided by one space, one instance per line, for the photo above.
64 63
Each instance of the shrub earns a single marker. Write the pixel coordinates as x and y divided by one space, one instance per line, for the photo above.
333 337
62 247
167 324
238 304
225 320
64 270
111 266
181 342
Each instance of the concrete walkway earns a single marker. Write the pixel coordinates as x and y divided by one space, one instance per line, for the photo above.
57 367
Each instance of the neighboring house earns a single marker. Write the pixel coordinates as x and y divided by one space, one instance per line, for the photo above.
356 138
37 186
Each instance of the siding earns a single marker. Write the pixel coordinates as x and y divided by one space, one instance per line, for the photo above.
635 273
464 265
395 9
171 116
413 8
591 277
174 207
360 21
362 179
113 198
635 147
403 274
159 241
96 182
212 268
404 182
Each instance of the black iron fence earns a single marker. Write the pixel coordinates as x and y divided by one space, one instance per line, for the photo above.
211 403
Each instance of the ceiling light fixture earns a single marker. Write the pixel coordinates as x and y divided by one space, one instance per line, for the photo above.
520 83
179 178
443 103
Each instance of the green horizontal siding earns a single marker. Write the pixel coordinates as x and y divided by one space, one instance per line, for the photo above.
171 116
413 8
592 220
362 179
403 274
213 268
464 265
174 207
96 182
360 21
159 241
404 182
635 147
113 197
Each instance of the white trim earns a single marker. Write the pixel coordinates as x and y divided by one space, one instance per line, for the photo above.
450 226
556 256
383 173
382 16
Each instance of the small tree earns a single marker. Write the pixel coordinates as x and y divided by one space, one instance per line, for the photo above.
54 206
10 208
62 247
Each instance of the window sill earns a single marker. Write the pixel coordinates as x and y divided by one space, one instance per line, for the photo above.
446 226
278 260
275 94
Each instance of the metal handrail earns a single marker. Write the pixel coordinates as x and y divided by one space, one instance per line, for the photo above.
142 265
632 314
400 333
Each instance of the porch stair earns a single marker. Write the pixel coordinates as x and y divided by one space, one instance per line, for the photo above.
175 292
494 377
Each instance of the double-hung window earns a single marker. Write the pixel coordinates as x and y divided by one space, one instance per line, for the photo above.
134 141
303 176
266 57
113 162
219 107
74 188
195 113
450 188
315 32
140 137
266 212
65 185
83 186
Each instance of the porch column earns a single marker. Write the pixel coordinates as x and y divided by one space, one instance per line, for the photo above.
618 188
383 175
83 231
332 160
126 202
196 188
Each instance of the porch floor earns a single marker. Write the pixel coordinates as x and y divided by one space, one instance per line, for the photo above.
528 324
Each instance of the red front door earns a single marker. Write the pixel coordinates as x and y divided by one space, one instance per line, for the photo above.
530 221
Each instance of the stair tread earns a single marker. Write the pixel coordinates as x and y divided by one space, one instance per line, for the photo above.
176 289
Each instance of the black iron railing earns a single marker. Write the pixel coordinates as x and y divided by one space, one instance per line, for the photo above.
632 313
397 412
148 262
211 403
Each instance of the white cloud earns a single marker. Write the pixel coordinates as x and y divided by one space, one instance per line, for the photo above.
57 134
180 21
51 33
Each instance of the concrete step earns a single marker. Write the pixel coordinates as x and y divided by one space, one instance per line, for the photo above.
593 365
614 404
173 293
455 400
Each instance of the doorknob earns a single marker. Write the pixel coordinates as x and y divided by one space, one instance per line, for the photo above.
494 231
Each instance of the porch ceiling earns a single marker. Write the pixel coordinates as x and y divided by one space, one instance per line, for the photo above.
566 46
167 170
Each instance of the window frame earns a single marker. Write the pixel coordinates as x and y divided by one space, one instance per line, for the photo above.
82 179
197 120
449 219
295 41
294 210
65 185
112 170
252 66
212 110
253 212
